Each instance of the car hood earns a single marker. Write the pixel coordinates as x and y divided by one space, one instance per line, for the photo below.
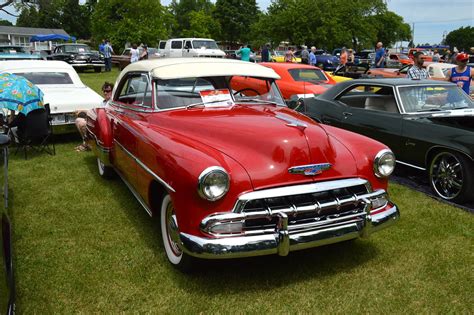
260 139
69 99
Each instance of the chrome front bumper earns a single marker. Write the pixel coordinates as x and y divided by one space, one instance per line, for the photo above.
287 238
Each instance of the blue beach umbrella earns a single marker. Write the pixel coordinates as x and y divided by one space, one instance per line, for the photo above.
19 94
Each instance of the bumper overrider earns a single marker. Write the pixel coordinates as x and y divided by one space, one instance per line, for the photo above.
357 215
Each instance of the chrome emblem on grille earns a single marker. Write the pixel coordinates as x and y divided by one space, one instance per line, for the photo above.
310 170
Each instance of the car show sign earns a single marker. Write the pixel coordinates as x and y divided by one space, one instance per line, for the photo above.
216 98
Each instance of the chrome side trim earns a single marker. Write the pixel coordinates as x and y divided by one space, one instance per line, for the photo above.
145 109
297 190
411 165
146 168
137 195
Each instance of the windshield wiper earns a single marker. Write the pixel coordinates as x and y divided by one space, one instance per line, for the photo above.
255 100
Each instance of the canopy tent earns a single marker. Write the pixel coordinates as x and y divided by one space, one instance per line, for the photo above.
51 37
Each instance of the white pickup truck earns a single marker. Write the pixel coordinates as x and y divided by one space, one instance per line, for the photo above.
190 47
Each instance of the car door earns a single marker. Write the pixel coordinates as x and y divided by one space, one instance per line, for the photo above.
188 49
124 119
370 110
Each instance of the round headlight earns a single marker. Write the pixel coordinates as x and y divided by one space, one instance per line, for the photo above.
384 163
213 183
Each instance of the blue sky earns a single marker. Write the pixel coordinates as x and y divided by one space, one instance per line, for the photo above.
431 18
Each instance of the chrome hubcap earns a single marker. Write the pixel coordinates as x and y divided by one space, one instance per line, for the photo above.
171 229
446 175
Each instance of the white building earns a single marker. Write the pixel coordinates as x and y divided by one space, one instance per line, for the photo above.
12 35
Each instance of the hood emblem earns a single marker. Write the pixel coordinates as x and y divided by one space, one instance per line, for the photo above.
292 122
310 170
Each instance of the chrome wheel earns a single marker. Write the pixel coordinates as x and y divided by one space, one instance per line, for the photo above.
169 231
447 175
104 171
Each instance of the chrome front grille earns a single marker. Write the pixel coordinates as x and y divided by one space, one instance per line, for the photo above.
322 206
299 208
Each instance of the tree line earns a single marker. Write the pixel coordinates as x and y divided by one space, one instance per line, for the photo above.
323 23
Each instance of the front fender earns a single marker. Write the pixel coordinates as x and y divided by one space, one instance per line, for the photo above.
99 134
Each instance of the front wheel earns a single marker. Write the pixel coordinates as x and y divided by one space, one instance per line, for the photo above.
170 235
450 176
106 172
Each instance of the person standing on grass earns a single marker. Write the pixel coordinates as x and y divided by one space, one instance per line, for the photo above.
108 52
462 74
417 72
244 53
304 55
312 56
134 54
379 56
81 120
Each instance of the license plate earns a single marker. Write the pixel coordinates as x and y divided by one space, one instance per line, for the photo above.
60 119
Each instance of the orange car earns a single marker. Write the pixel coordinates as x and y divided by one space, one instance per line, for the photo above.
402 58
300 78
425 56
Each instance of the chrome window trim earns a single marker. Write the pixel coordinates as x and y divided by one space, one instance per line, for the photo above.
298 190
145 108
146 168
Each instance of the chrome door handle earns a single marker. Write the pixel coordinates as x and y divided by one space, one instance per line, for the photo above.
346 114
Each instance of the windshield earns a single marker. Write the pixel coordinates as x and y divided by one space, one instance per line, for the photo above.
47 77
433 98
77 49
176 93
308 75
12 50
208 44
403 57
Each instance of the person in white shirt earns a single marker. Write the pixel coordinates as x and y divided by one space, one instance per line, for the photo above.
81 120
134 54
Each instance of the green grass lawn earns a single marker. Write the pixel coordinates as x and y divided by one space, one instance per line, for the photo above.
84 244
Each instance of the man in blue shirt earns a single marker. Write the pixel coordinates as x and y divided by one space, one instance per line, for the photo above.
244 53
312 56
379 56
108 51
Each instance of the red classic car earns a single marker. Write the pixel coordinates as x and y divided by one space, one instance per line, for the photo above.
402 58
231 174
294 79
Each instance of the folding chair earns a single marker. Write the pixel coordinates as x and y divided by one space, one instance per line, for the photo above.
35 132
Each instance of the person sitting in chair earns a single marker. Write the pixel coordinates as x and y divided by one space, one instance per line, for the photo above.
81 120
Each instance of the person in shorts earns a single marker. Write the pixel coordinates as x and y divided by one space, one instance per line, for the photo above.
81 120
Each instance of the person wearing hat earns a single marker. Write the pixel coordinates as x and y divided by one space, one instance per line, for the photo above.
462 74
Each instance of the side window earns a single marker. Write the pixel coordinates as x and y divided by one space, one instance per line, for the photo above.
188 45
176 44
162 44
136 90
370 97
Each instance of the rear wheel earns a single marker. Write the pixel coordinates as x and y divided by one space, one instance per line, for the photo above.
450 176
104 171
170 235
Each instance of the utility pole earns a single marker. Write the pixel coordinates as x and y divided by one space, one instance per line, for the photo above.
413 32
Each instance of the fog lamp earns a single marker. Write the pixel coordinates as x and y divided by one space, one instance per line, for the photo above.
227 228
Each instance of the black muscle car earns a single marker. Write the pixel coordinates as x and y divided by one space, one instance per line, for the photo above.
80 56
429 125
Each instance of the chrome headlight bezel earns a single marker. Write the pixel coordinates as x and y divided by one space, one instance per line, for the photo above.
379 160
203 185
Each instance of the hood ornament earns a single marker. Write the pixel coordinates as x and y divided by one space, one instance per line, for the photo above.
292 122
310 169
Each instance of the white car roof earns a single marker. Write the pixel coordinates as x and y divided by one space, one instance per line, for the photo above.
40 66
177 68
442 65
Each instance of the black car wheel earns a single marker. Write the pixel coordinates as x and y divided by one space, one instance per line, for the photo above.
451 176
